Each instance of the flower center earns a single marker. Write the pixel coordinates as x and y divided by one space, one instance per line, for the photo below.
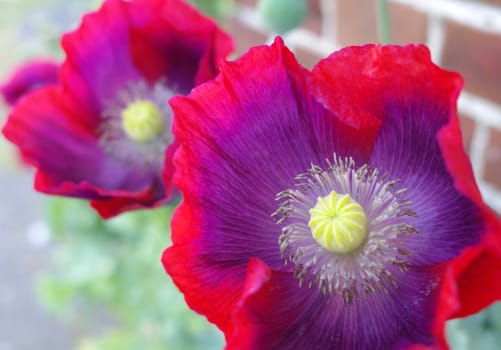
345 229
135 125
338 223
142 121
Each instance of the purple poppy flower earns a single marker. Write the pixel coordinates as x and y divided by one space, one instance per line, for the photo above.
333 209
104 132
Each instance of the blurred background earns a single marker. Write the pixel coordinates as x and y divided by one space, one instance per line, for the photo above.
71 281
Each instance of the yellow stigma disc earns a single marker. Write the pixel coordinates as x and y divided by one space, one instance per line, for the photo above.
142 121
338 223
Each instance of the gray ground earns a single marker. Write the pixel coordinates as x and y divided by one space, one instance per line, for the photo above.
24 324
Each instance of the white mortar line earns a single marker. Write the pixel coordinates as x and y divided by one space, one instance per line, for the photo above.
435 37
311 42
492 196
480 109
248 16
478 147
328 9
484 17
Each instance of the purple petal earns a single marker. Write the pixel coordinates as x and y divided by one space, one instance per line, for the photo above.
29 77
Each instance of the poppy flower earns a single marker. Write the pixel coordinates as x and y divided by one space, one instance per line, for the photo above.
30 76
331 209
104 132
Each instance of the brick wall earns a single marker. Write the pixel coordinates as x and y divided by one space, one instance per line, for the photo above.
463 36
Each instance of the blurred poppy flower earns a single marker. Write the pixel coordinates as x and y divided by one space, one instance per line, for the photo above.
30 76
332 209
104 132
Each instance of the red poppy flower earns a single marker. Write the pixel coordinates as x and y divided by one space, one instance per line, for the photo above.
104 133
332 209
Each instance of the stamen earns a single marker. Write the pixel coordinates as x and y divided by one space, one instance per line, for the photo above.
362 252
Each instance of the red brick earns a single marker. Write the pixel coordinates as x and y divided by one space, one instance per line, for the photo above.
407 25
493 159
244 37
306 58
491 2
467 126
356 24
475 55
315 5
313 20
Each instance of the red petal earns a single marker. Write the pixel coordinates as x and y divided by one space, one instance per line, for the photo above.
161 27
473 280
357 81
208 289
251 318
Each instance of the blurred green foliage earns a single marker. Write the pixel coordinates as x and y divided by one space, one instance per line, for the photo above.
217 9
480 331
34 27
280 16
109 274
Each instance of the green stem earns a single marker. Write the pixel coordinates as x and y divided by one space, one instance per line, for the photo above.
383 21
